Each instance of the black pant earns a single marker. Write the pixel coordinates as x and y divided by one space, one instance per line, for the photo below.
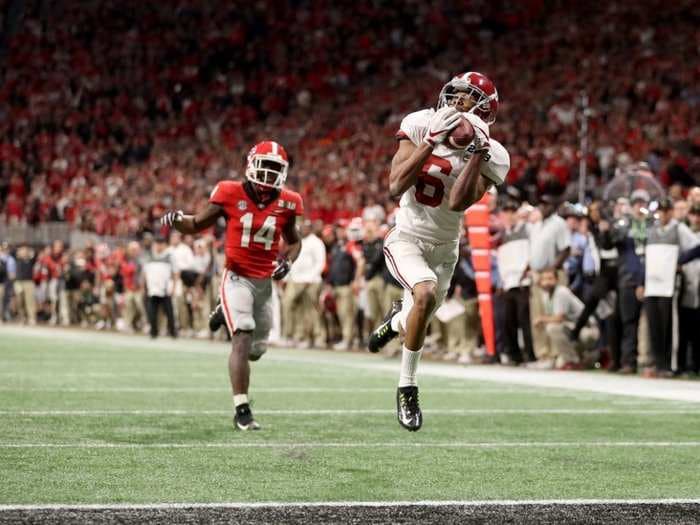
689 336
517 315
659 312
153 303
602 283
623 329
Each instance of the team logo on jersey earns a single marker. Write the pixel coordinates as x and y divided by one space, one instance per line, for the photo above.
242 205
288 204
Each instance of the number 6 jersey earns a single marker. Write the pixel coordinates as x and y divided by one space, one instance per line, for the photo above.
424 210
252 230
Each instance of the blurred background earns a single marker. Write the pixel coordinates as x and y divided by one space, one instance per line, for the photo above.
113 112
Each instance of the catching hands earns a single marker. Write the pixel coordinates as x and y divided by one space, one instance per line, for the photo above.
441 124
171 217
481 132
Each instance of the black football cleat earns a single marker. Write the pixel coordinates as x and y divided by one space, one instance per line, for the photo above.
216 317
243 419
384 333
408 409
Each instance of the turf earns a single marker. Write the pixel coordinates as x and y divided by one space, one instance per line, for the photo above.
60 390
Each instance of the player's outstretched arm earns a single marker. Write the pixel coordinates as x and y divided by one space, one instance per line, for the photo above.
406 165
470 186
193 223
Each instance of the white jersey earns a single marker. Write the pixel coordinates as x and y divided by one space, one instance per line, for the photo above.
424 210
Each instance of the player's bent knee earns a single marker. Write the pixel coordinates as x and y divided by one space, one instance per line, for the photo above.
245 324
257 350
425 296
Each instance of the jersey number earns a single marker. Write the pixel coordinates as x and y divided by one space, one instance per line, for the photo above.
265 235
429 189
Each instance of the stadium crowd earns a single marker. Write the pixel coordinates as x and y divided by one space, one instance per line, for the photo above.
113 112
578 301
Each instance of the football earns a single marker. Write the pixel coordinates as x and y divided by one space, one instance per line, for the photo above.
461 136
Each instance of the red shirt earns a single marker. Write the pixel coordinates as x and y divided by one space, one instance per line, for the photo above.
129 271
253 233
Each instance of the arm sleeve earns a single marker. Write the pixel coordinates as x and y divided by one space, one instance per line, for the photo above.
218 194
690 255
299 210
414 126
686 238
563 237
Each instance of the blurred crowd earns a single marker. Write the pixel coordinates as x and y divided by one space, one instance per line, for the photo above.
615 284
111 112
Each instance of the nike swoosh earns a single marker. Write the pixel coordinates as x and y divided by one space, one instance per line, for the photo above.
437 132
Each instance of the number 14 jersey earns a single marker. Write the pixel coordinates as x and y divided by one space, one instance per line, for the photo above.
424 210
253 231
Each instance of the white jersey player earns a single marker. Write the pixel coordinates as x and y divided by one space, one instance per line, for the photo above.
437 183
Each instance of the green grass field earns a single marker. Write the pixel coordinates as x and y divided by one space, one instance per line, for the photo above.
94 418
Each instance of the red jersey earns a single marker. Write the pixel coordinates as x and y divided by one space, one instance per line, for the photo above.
253 232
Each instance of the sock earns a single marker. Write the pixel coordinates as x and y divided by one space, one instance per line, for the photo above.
395 322
409 364
240 399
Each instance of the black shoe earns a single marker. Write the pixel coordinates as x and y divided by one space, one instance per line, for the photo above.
243 419
216 318
571 334
384 333
408 409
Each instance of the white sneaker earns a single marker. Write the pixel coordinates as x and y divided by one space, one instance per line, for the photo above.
544 364
464 359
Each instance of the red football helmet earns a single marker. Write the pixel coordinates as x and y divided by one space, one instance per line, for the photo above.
267 164
479 90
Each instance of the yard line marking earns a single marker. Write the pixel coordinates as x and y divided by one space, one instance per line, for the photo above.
302 504
226 389
351 412
398 444
667 389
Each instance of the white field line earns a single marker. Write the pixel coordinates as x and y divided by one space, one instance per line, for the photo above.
668 389
311 390
342 504
355 412
389 444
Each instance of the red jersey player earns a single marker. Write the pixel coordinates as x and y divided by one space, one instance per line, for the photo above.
258 212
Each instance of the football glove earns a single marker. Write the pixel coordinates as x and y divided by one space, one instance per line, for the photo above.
443 121
481 131
281 269
171 217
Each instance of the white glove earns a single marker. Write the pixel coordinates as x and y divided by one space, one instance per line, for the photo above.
171 217
481 131
441 123
495 164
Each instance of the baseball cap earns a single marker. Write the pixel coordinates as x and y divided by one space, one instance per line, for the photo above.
639 195
665 203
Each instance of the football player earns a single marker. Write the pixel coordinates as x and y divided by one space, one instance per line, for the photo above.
258 212
437 183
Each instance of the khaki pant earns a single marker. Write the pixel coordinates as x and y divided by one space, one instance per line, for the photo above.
26 300
133 308
463 330
567 351
345 303
302 313
540 341
291 301
375 300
